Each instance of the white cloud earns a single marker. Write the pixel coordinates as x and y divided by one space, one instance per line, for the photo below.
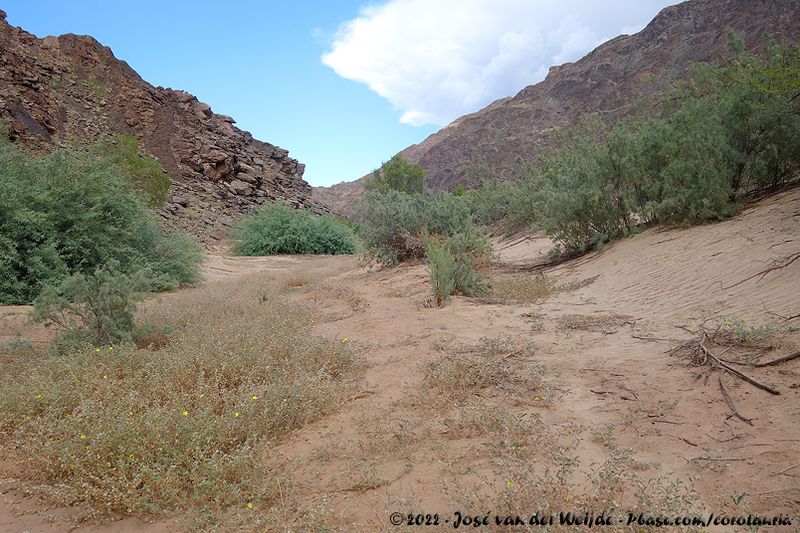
435 60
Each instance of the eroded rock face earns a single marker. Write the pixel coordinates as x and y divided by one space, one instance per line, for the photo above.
609 80
60 90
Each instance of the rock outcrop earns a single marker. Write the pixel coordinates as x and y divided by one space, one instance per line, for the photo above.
61 90
608 80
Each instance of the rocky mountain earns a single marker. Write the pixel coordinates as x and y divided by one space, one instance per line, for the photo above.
608 80
60 90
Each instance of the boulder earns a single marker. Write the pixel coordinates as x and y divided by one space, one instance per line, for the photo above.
181 201
240 187
249 178
203 108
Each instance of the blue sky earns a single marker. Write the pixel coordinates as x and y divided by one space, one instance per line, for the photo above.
344 84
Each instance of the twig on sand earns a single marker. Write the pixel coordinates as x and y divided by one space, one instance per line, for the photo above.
684 439
779 264
655 339
787 469
720 459
731 404
779 360
737 373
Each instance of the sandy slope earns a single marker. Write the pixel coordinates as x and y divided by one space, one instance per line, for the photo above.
659 279
390 449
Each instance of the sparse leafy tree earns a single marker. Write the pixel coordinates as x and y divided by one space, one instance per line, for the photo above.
397 174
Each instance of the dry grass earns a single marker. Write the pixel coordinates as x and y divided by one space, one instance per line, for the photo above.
519 463
598 323
520 289
182 429
535 467
499 363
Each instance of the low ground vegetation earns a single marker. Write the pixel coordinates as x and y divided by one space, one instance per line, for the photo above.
181 429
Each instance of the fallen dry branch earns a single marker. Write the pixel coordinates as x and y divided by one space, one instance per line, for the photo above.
779 360
731 404
701 355
787 469
742 375
778 264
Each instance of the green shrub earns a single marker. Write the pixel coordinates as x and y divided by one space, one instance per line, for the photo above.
144 173
280 229
72 212
442 265
490 203
96 309
453 265
397 174
469 253
391 223
724 134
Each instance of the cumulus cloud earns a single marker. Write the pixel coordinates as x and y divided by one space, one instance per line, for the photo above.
435 60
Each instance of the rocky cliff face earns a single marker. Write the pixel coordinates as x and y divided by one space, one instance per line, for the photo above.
608 80
67 89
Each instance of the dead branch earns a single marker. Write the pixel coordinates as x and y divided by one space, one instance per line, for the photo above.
787 469
738 373
684 439
779 360
731 404
655 339
788 260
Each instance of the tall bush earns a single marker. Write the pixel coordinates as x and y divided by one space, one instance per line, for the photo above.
391 223
397 174
723 135
279 229
144 173
72 212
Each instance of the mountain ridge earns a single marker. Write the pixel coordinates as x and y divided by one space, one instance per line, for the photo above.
60 90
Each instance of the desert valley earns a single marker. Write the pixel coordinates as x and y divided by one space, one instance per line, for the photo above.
194 338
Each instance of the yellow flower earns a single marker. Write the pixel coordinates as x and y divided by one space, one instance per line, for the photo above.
509 484
249 505
344 341
83 437
105 376
285 400
39 395
236 414
255 397
185 413
110 348
97 349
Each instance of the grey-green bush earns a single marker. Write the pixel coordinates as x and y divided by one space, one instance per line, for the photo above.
442 267
391 223
94 309
279 229
71 212
725 134
453 265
